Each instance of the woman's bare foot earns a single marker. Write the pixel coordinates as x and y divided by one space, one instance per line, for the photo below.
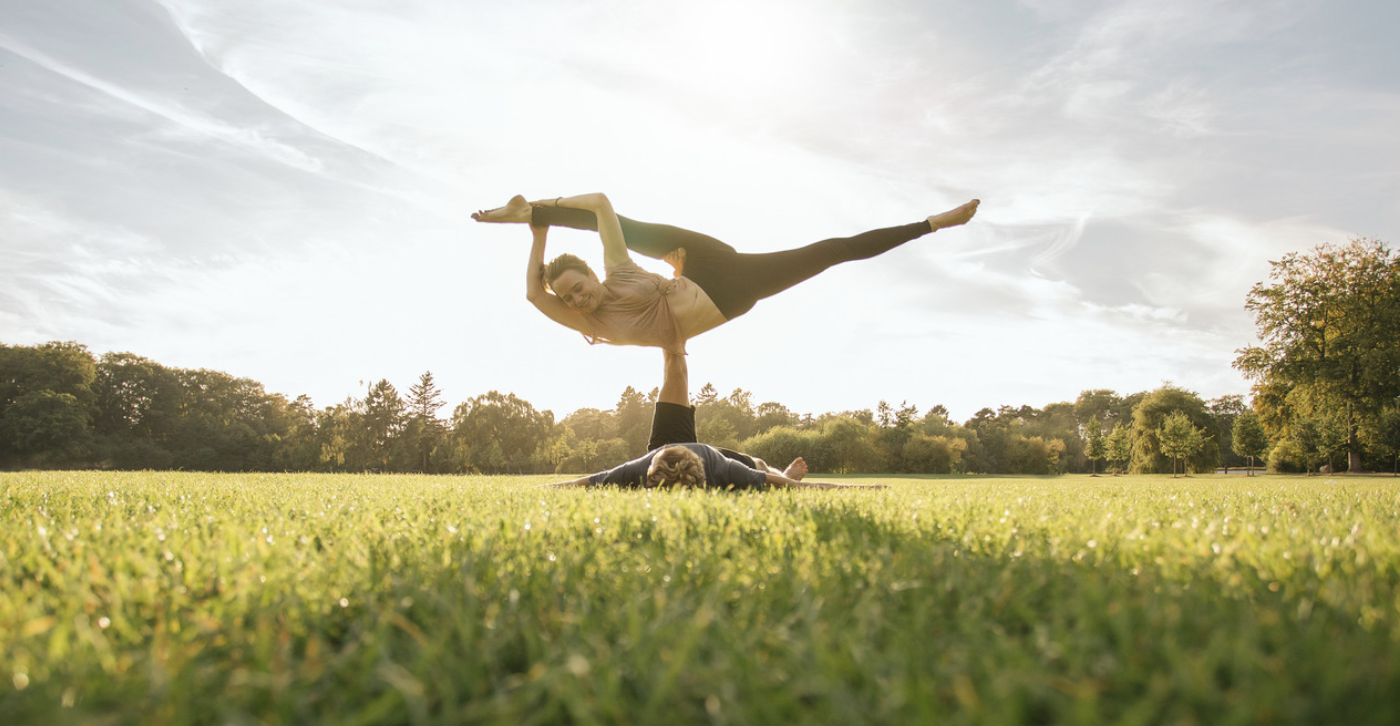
676 258
954 217
516 211
796 470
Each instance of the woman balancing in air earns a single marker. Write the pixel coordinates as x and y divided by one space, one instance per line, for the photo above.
714 283
676 459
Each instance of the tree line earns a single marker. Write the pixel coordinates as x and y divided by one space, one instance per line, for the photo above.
1326 393
60 406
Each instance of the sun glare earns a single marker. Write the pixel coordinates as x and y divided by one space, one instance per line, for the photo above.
742 50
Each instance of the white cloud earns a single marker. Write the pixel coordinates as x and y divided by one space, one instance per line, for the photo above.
300 175
183 121
59 275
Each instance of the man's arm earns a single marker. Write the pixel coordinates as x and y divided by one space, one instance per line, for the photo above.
609 229
544 300
579 482
778 480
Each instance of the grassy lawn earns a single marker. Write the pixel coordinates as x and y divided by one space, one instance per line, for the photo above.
251 599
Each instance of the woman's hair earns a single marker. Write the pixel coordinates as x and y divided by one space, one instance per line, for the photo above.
566 261
676 466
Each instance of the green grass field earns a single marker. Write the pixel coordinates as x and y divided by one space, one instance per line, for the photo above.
174 598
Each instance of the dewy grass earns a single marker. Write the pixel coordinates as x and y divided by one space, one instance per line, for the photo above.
232 598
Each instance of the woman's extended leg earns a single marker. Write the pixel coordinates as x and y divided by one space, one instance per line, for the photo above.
735 281
749 278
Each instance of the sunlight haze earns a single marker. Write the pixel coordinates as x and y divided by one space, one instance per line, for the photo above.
282 190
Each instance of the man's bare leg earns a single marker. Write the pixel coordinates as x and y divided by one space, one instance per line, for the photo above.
954 217
516 211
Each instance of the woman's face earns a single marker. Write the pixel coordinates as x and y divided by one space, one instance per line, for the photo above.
579 291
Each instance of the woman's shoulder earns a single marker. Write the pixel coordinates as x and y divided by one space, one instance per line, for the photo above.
630 275
625 267
631 270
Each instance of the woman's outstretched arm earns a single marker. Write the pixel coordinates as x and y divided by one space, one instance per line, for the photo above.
609 229
519 211
544 300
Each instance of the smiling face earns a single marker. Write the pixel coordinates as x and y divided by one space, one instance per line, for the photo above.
579 291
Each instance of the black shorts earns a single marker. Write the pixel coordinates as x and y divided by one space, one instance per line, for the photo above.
672 423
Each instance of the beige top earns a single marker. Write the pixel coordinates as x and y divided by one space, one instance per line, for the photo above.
644 308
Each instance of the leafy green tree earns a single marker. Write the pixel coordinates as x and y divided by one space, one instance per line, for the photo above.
297 448
336 427
896 429
60 367
728 420
1023 440
1103 404
1306 440
581 459
1094 445
717 431
1119 444
1318 438
1148 417
51 427
504 432
35 374
559 447
781 444
591 424
1225 410
613 452
1058 421
924 454
1284 457
771 415
226 423
1384 437
1179 438
992 429
936 421
1327 325
848 446
633 418
1033 454
1248 439
138 405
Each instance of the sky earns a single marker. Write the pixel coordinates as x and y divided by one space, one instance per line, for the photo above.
282 189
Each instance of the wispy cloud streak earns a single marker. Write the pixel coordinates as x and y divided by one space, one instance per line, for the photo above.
189 121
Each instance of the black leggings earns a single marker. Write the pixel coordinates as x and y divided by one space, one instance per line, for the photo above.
736 280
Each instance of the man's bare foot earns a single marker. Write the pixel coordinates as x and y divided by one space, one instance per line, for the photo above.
954 217
516 211
796 470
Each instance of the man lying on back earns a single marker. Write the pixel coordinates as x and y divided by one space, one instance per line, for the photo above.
675 458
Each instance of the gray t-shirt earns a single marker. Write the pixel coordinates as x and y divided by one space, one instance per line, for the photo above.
720 472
